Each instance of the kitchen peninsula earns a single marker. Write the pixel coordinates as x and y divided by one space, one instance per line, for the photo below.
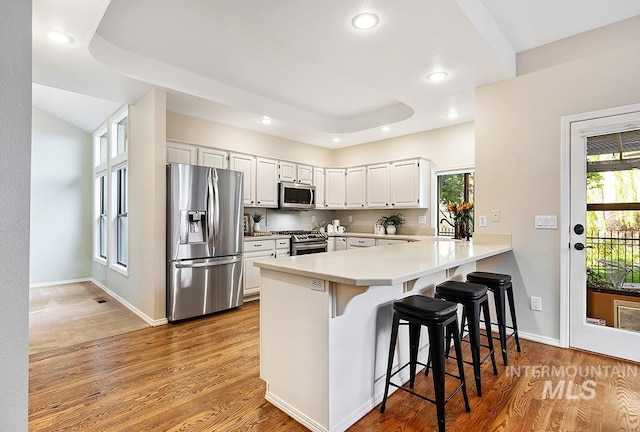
325 321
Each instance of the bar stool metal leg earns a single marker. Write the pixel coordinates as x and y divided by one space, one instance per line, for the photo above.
512 309
498 295
392 346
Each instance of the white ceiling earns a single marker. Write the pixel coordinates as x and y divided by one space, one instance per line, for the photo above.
298 62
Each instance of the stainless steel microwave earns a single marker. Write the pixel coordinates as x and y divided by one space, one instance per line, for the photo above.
294 196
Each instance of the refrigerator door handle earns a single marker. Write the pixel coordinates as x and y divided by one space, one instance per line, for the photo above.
210 263
210 216
216 204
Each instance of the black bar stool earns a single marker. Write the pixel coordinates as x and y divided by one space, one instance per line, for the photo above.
474 300
438 316
500 286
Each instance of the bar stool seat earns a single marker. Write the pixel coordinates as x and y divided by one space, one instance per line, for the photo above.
501 287
439 316
474 300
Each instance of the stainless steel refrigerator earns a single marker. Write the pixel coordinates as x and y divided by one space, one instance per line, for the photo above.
204 240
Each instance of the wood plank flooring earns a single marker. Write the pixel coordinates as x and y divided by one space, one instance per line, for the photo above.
203 375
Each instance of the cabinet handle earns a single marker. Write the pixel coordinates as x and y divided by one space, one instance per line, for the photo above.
257 245
258 202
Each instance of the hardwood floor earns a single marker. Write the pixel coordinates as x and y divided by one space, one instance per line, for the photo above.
68 314
203 375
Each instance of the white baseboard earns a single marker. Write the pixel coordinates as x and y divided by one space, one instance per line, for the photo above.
62 282
297 415
132 308
530 336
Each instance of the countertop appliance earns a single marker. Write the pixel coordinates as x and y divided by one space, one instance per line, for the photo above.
306 242
296 196
204 240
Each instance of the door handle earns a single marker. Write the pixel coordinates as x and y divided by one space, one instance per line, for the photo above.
580 246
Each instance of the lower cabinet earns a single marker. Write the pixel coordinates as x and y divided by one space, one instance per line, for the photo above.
255 250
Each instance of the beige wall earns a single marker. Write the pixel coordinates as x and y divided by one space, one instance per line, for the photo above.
446 147
15 165
518 160
211 134
144 287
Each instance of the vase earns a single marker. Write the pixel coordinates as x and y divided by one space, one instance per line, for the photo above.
256 226
460 230
391 229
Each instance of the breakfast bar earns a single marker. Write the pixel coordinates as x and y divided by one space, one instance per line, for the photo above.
325 322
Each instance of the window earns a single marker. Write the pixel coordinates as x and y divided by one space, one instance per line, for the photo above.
121 216
454 187
102 215
111 227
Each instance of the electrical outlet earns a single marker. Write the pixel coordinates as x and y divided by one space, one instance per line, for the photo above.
313 219
422 220
482 221
317 284
350 218
536 303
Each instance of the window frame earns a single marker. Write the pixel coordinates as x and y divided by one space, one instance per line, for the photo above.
101 180
435 196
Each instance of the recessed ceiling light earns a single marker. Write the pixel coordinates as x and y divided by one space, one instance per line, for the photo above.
336 140
365 21
437 76
385 128
452 114
59 37
266 120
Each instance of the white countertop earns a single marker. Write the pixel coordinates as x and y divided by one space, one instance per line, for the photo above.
385 265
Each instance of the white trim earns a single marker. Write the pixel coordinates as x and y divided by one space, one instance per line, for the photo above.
62 282
565 194
119 268
138 312
100 260
435 172
536 338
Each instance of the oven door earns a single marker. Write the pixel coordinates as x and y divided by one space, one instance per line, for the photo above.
308 248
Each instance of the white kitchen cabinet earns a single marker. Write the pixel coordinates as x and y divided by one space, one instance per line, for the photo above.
318 182
266 183
212 158
288 172
251 274
334 193
356 187
247 165
282 248
181 153
295 173
360 242
305 174
336 244
409 183
378 186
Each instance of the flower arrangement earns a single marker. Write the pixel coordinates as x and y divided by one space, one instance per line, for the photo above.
460 212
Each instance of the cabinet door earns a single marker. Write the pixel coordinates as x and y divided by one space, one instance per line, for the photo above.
305 174
212 158
318 182
181 153
378 186
251 273
247 165
409 183
356 187
288 172
334 191
266 183
359 242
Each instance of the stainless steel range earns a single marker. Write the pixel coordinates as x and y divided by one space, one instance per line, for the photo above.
306 242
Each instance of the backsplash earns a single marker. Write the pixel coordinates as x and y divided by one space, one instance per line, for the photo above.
362 220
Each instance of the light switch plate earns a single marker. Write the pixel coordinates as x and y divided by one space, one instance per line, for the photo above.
546 222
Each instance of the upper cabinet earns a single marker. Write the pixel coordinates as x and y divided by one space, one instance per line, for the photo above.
356 186
295 173
212 158
334 193
409 183
266 182
181 153
378 186
318 182
247 165
400 184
